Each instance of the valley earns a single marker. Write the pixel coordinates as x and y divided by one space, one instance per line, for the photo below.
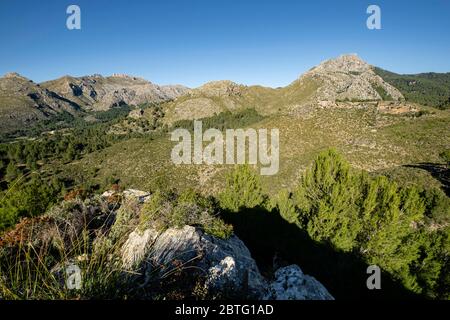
362 163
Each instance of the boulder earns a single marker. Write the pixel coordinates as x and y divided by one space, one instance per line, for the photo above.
291 283
225 264
138 195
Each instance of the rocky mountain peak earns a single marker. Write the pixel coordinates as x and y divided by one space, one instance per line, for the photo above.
15 75
127 77
348 78
344 63
220 88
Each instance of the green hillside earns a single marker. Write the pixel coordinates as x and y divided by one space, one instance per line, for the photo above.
430 89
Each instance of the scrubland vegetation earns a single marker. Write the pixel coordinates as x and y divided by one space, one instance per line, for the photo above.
404 230
394 220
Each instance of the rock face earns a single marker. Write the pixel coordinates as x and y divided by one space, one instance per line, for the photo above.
225 265
292 284
102 93
348 78
23 102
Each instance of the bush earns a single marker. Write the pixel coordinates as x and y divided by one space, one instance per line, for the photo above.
34 257
167 210
329 195
445 155
286 206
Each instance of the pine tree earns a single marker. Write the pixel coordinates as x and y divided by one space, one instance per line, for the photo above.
333 192
70 152
389 217
243 190
286 206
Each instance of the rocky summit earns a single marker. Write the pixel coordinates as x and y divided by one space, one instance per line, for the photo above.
342 81
349 78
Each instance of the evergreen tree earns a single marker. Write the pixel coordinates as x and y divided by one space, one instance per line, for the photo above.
70 153
287 207
333 193
243 190
376 219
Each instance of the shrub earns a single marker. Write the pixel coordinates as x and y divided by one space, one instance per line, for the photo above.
167 210
328 196
445 155
26 200
286 206
124 221
34 257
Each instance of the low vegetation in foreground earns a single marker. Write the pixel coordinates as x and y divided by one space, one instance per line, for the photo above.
404 230
363 180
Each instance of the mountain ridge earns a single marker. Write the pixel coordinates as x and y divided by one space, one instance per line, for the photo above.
335 82
101 93
24 102
346 78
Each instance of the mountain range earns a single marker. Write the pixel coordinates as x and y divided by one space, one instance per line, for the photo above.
363 179
23 102
343 80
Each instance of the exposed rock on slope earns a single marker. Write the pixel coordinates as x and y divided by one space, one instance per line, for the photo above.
224 266
23 102
292 284
342 80
348 78
102 93
178 262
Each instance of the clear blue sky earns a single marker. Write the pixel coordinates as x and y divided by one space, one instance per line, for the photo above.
194 41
